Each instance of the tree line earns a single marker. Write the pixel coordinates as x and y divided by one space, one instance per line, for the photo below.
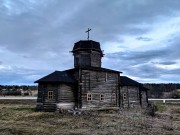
17 87
16 90
170 90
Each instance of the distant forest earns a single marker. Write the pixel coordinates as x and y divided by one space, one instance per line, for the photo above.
17 87
15 90
163 90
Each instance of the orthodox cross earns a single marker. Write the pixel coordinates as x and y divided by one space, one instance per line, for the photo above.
88 32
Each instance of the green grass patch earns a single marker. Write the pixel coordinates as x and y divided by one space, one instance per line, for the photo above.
24 109
172 103
161 107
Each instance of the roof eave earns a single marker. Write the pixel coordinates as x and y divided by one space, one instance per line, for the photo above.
53 82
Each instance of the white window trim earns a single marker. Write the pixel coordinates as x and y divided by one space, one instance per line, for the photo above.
124 96
50 94
89 97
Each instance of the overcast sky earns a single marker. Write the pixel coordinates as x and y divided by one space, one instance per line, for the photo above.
141 38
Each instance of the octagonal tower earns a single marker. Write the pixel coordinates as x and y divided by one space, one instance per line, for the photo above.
87 53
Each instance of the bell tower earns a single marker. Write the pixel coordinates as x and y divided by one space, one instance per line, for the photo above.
87 53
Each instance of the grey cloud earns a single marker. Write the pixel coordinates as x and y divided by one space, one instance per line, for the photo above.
44 31
174 48
143 64
16 75
165 62
144 38
123 15
138 57
148 71
42 26
173 72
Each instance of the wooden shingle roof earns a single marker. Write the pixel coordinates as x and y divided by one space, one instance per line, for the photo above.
57 77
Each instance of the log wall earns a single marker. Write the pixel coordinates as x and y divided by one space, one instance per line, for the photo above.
65 93
84 58
95 59
99 83
130 96
49 87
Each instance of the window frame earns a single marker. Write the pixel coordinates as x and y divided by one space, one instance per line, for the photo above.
89 97
50 95
124 96
102 97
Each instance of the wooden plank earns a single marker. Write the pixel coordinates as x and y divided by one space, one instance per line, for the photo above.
99 86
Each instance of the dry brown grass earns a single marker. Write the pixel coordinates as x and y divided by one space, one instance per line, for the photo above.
21 119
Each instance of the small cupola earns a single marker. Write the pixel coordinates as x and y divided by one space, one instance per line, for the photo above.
87 53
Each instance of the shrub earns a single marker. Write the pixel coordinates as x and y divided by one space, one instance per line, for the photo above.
161 107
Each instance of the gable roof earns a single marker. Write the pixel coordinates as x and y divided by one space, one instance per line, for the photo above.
126 81
56 77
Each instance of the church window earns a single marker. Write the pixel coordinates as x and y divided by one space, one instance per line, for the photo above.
101 97
124 96
50 94
89 97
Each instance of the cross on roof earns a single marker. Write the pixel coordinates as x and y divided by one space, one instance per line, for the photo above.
88 32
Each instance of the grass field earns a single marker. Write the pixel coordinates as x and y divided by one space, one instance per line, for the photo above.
20 118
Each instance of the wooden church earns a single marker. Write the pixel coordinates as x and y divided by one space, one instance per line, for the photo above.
88 85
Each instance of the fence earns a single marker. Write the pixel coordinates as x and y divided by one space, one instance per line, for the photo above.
163 100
